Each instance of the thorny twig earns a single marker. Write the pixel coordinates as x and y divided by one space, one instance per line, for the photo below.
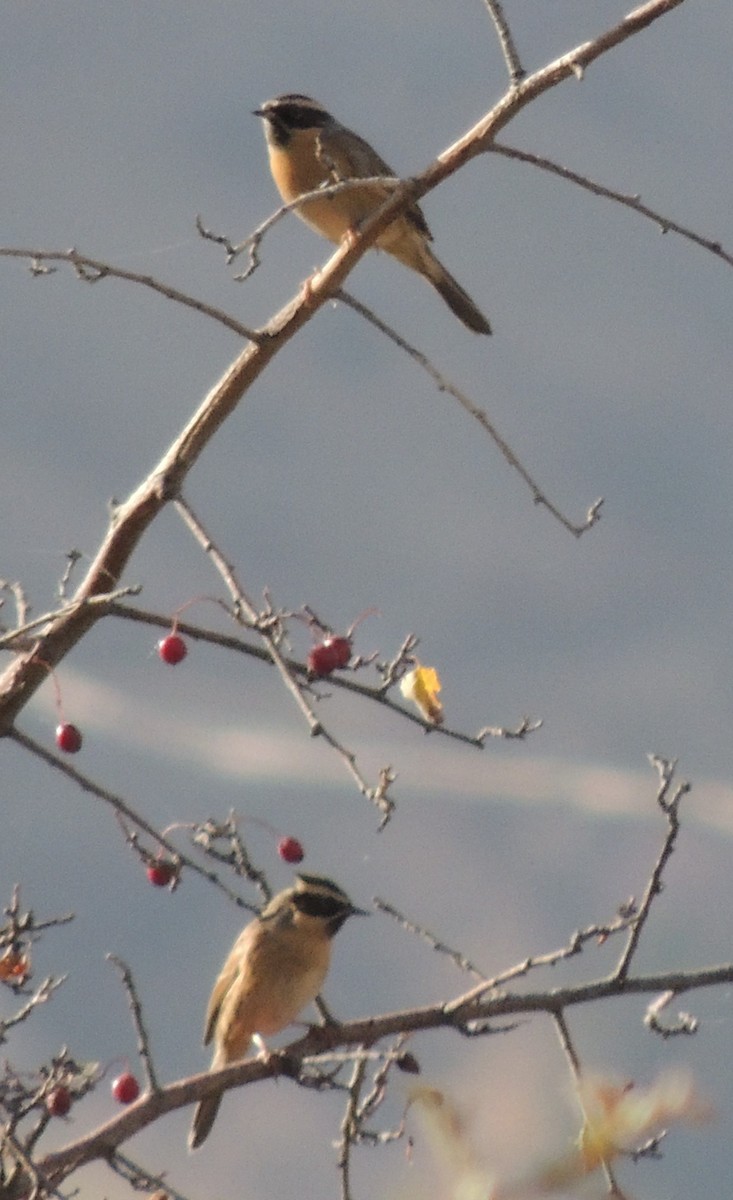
23 926
72 558
360 1107
598 933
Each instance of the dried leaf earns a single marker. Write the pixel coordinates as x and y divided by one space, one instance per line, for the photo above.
422 685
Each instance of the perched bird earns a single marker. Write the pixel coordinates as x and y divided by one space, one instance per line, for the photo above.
308 148
276 966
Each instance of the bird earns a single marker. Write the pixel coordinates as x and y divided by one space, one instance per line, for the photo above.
275 968
308 148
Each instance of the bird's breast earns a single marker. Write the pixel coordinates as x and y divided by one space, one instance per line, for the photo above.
297 168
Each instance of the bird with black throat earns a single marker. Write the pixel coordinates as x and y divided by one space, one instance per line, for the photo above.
275 968
309 149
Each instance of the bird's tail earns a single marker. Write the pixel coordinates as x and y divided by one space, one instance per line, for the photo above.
203 1119
456 298
415 253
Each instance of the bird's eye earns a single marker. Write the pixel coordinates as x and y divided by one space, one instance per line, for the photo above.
301 116
314 905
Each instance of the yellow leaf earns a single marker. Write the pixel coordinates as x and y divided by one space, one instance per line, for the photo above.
422 686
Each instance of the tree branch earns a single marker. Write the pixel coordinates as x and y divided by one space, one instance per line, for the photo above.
364 1032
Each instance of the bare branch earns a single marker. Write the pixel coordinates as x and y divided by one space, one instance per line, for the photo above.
461 961
121 808
142 1180
143 1040
207 834
132 518
686 1024
575 946
19 635
271 634
42 993
349 1126
445 385
92 270
506 41
669 802
634 202
573 1060
364 1032
342 681
253 240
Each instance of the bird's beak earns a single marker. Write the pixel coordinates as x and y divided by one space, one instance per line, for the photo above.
258 112
358 912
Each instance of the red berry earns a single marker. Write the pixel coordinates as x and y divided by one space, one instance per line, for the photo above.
125 1088
329 655
161 872
58 1101
68 738
290 850
172 649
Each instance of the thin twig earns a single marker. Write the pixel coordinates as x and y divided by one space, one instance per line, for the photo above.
506 41
25 924
42 993
92 270
349 1126
253 240
460 959
669 804
121 807
366 1031
343 681
269 631
16 590
143 1180
598 933
20 633
208 832
666 224
573 1059
445 385
566 1042
685 1024
143 1039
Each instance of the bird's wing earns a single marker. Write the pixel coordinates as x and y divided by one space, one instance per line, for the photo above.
360 161
226 978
